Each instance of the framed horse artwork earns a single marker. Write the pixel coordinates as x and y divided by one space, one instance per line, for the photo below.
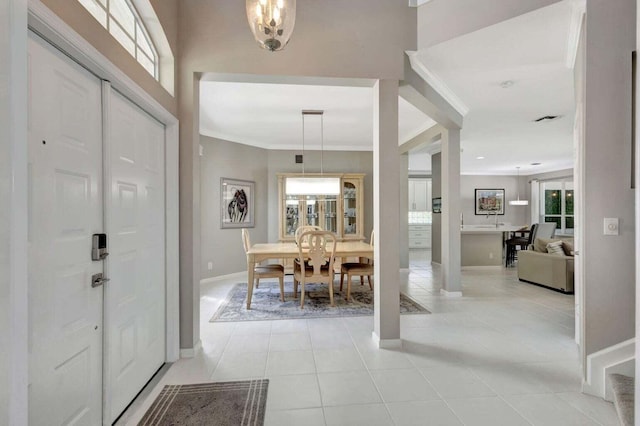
237 200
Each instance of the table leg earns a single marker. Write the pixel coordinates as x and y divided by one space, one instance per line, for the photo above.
251 264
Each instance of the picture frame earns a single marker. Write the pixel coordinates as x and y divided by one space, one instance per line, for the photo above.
237 199
436 204
489 201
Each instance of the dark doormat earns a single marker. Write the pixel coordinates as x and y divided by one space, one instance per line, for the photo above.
220 404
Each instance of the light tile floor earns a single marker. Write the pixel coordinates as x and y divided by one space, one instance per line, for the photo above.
503 354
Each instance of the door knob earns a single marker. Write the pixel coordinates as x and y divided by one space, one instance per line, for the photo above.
97 280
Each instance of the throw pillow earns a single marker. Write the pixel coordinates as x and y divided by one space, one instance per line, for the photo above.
540 244
555 248
568 248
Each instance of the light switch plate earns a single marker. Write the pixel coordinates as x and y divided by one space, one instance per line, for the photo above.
611 226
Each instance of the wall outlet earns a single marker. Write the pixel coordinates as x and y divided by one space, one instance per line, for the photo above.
491 255
210 266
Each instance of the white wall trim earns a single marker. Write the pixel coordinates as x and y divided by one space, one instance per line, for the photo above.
191 352
579 9
446 293
235 275
599 362
52 28
438 84
386 343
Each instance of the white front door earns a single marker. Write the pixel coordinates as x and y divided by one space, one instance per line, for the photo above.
65 196
135 296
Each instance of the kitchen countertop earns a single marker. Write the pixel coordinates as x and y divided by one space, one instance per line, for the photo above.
489 229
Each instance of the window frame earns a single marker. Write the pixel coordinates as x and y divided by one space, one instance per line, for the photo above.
105 5
562 186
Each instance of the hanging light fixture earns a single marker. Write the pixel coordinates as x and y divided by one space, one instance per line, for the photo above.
271 22
518 202
313 185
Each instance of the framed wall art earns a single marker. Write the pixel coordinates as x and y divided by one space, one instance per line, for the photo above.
489 201
237 198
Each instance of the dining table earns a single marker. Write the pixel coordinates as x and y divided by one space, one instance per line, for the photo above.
289 250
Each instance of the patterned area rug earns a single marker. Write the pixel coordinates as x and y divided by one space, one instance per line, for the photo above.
220 404
266 304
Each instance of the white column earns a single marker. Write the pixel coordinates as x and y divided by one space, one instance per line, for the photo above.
386 214
403 237
451 281
13 213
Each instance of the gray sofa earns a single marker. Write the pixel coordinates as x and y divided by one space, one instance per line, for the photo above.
555 271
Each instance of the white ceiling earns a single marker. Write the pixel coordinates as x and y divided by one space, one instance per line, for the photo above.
530 50
270 115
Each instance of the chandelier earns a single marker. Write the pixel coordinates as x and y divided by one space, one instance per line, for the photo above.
271 22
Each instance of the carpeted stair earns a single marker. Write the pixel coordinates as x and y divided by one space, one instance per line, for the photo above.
623 396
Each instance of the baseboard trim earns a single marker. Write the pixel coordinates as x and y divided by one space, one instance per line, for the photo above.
450 293
191 352
386 343
602 362
235 275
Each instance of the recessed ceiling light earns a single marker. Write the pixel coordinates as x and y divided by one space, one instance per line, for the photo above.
480 158
536 164
506 84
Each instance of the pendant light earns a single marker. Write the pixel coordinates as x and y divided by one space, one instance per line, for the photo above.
518 202
313 185
271 22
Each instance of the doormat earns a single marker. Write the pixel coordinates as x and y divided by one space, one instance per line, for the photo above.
266 304
220 404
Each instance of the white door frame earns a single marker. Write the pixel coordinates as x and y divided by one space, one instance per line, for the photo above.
57 32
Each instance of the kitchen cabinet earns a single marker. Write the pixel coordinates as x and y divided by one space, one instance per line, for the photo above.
420 236
419 195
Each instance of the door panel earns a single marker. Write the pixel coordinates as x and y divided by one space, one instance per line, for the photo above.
135 298
65 167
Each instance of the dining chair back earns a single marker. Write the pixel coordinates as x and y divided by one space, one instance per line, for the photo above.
315 262
264 271
363 268
302 229
544 230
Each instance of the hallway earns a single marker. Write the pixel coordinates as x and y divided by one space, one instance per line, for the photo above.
501 354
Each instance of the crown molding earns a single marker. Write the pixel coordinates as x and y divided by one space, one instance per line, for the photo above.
437 83
575 26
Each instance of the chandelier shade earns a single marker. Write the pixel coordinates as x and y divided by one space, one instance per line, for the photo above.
271 22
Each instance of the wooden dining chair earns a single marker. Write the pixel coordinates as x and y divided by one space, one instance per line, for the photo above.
364 268
315 262
302 229
264 271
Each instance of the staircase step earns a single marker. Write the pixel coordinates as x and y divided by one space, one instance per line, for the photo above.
623 396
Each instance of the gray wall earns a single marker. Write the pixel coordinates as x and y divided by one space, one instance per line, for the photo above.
223 247
515 215
283 161
436 227
609 285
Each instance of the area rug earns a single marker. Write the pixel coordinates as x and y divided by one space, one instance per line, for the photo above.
266 304
220 404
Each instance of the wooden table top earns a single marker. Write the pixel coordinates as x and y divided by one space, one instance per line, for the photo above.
283 250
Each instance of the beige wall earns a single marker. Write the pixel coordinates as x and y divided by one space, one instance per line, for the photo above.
442 20
77 17
609 287
354 39
223 247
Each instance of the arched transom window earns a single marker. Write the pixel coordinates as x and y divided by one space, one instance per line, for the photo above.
123 22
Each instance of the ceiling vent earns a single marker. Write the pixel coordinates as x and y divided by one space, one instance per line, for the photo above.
547 118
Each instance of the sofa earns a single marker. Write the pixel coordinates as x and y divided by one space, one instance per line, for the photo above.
554 270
